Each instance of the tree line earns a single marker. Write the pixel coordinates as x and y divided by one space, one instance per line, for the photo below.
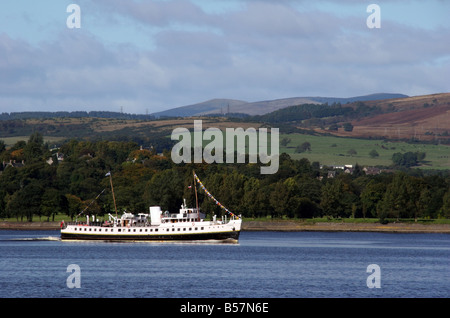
72 114
38 181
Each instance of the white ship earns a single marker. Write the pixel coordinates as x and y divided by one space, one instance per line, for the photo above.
188 224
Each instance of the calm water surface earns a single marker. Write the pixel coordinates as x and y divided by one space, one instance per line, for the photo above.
263 265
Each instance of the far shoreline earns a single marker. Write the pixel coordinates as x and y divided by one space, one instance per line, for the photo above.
281 226
292 226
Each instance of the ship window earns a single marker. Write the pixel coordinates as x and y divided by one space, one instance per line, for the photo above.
202 228
190 229
173 230
178 229
120 230
184 229
168 230
156 230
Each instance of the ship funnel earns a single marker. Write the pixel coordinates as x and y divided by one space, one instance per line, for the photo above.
155 215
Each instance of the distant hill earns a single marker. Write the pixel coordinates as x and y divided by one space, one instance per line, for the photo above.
74 114
213 106
415 118
224 106
424 117
378 96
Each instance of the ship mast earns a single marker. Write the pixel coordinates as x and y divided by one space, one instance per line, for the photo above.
90 204
112 189
196 198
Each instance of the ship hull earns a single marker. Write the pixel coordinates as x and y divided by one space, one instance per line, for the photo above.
182 231
217 236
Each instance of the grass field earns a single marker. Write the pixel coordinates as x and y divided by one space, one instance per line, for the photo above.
335 151
10 141
329 150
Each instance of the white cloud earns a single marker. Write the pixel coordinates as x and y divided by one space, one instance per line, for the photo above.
161 54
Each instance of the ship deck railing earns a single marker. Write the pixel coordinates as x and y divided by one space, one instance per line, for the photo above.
106 224
134 224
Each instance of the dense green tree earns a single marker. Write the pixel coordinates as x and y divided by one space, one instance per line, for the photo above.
165 189
339 197
14 207
53 203
142 178
74 205
34 150
374 154
446 205
129 184
331 199
370 196
285 141
309 187
305 207
348 127
306 146
279 199
408 159
251 201
395 199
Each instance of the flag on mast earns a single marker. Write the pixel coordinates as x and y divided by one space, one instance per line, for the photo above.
108 174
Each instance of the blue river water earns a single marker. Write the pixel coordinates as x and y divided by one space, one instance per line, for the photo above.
36 264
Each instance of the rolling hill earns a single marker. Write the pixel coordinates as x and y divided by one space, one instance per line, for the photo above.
419 118
425 117
384 125
216 106
223 106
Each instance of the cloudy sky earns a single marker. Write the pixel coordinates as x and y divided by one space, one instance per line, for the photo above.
146 56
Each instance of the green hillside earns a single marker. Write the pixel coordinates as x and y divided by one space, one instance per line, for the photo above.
330 150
